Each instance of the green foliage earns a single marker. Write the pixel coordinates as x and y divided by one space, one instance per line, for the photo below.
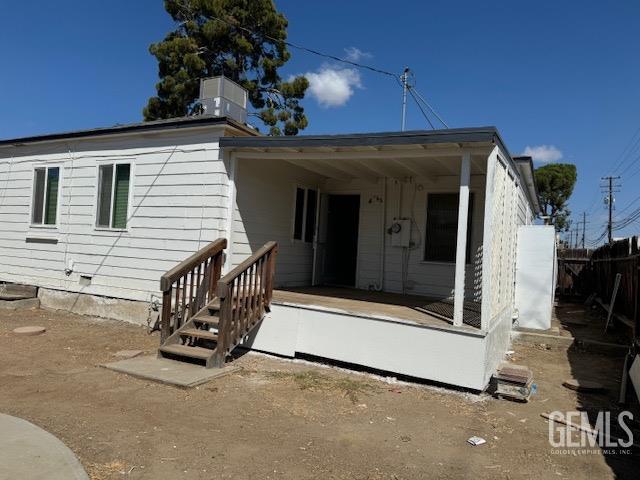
209 41
555 185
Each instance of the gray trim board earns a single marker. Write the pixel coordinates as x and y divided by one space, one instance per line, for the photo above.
414 137
156 125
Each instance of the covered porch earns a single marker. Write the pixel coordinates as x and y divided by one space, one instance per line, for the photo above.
385 213
396 251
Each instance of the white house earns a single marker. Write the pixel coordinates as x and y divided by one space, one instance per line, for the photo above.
395 251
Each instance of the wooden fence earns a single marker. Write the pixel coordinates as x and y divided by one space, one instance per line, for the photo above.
606 262
571 271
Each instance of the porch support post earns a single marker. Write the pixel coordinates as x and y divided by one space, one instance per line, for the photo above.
231 165
461 243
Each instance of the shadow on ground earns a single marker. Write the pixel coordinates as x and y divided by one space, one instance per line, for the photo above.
586 325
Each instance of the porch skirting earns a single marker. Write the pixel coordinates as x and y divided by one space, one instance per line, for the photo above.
462 357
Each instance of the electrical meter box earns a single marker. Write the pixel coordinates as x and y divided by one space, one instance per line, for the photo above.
401 232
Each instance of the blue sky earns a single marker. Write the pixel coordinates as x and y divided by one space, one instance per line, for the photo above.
565 75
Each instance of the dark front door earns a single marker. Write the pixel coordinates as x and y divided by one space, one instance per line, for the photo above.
342 240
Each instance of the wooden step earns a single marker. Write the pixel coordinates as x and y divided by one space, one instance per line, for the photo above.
198 333
214 306
185 351
211 320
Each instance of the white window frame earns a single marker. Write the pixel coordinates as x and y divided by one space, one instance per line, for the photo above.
114 164
306 189
46 166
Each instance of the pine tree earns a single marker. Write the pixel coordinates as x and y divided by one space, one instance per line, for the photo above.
240 39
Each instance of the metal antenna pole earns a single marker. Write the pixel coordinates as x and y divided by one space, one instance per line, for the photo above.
404 78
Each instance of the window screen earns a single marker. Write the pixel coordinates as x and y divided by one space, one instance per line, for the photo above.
442 227
45 195
113 195
40 177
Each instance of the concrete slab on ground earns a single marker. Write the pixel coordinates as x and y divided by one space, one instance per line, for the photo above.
170 372
12 291
19 303
27 451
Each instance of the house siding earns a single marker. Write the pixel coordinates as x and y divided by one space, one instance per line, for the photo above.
177 204
265 199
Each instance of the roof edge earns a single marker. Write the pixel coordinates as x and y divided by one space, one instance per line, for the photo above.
155 125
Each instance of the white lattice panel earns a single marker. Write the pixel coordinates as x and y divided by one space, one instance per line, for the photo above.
503 243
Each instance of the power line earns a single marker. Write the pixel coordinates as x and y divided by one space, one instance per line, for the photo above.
400 79
621 158
424 114
307 49
429 106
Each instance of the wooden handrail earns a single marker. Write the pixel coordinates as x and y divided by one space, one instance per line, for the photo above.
225 281
245 295
189 286
188 264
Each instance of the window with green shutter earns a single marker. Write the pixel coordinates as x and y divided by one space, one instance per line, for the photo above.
46 182
113 195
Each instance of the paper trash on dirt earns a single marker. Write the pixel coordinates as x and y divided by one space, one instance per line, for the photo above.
475 441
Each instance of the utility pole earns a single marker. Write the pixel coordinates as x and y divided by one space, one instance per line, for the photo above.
584 227
610 190
404 78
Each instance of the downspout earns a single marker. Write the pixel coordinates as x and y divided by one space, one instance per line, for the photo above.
383 233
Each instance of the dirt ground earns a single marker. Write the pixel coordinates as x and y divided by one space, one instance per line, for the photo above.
278 419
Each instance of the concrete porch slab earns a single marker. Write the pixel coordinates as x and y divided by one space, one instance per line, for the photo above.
170 372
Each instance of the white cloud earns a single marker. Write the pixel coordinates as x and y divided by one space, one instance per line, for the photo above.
333 86
543 153
354 54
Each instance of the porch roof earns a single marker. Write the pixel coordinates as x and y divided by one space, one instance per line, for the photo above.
414 137
314 151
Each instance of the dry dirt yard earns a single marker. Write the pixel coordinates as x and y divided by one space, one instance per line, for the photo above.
278 419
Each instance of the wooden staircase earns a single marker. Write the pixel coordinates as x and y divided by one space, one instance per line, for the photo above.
204 317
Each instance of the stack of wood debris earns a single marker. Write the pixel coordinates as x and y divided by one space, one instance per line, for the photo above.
514 382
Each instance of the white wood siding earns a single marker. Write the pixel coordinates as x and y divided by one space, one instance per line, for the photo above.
177 190
265 201
423 278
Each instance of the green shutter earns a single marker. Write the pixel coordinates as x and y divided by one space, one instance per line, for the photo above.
121 196
51 206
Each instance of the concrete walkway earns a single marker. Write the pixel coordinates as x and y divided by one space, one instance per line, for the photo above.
29 453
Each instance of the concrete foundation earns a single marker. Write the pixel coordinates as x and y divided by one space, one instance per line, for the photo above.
83 304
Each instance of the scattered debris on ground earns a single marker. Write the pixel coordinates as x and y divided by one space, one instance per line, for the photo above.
286 419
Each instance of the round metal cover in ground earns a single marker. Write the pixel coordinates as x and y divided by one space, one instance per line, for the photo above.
26 331
583 385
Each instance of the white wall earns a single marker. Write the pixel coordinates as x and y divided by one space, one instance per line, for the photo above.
265 201
423 278
535 275
398 347
177 205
